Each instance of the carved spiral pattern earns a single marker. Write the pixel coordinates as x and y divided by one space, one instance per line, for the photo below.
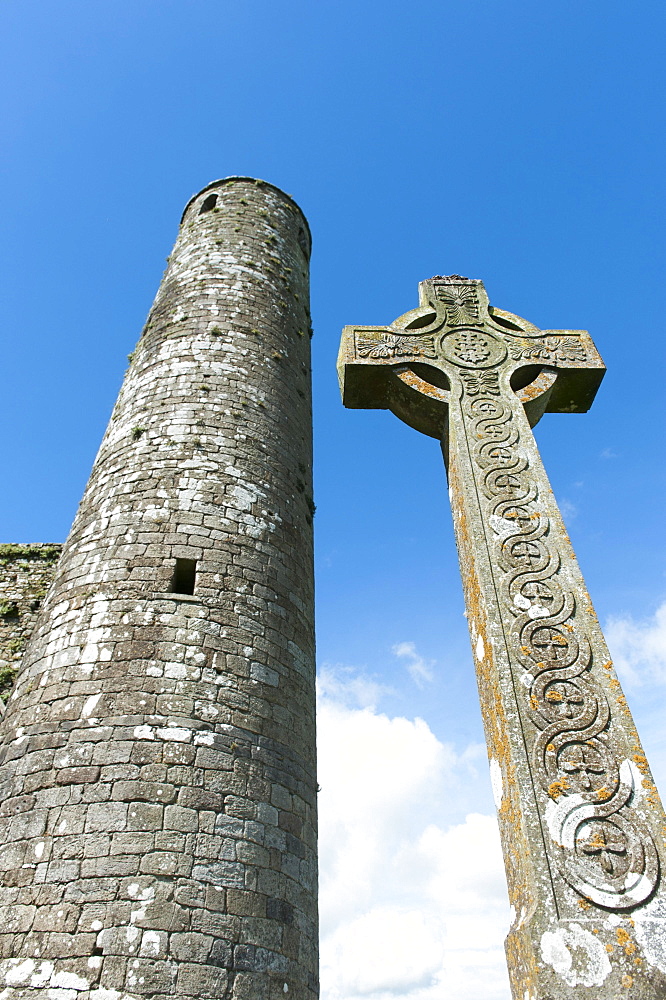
604 850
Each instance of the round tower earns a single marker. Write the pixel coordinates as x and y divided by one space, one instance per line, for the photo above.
157 778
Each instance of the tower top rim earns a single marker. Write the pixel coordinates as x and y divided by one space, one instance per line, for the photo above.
252 180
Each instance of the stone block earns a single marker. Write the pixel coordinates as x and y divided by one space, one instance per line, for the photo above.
202 980
145 816
107 817
178 818
190 947
162 915
144 791
151 976
77 775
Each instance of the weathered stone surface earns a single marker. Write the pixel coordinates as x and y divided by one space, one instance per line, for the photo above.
164 710
26 572
581 821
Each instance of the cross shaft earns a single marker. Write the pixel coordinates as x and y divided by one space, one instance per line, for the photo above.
582 856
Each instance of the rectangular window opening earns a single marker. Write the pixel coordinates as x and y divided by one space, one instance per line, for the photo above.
184 576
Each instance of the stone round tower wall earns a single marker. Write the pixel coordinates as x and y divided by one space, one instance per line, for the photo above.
158 830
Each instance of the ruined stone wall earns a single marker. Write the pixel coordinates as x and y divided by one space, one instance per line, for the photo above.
26 572
157 763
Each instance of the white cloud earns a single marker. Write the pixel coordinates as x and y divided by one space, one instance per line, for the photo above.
349 687
413 895
639 647
419 670
568 510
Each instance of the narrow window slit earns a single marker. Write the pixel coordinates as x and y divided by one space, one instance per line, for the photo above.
208 204
184 576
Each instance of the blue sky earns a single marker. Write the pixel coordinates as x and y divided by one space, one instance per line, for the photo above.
519 143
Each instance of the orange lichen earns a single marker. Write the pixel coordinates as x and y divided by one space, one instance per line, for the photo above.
622 936
603 794
627 981
558 788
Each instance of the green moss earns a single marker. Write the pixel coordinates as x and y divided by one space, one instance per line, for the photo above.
7 678
43 553
8 609
138 432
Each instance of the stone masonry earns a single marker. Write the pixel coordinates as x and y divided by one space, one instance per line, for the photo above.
157 753
582 826
25 574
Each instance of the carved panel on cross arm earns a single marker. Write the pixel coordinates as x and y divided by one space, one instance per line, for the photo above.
552 349
392 345
461 301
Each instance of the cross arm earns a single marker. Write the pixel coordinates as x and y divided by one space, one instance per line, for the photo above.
389 368
410 365
572 355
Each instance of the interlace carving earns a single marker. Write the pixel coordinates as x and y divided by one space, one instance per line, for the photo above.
558 349
604 851
391 345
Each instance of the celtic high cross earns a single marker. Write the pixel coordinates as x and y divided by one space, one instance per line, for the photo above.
581 821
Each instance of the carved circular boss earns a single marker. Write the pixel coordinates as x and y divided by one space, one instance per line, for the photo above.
473 348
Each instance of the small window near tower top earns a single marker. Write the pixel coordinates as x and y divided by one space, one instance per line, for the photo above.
303 242
184 576
208 204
